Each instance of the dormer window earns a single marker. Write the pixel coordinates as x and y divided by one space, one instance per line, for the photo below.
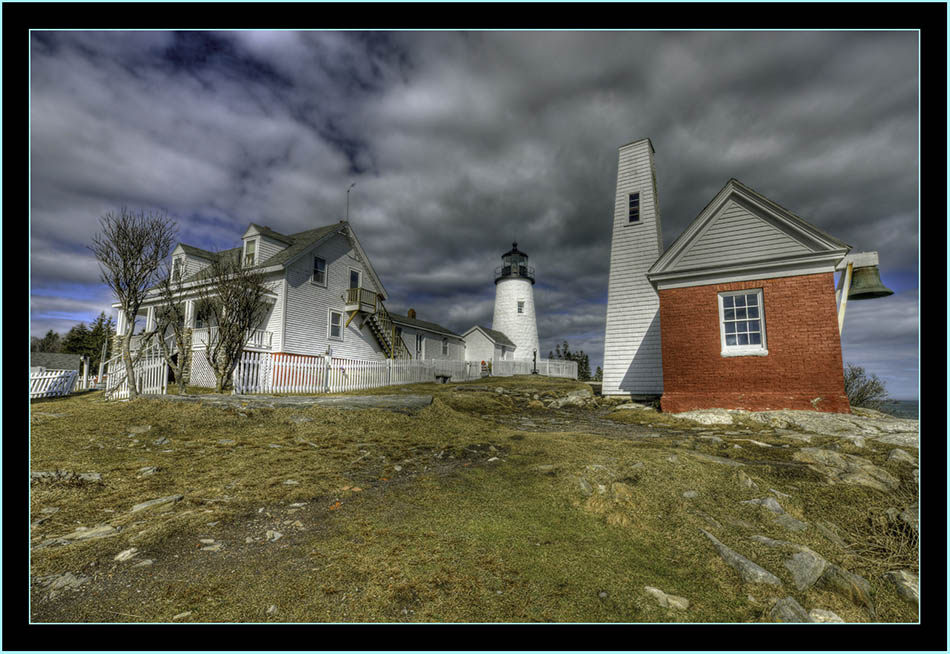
250 253
177 268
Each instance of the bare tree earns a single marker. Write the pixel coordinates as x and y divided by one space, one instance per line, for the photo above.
170 324
232 297
863 389
131 248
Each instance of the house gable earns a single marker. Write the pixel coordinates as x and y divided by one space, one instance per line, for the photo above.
743 235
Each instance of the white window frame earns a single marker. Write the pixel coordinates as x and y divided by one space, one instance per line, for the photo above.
178 268
330 335
420 346
313 272
760 349
254 242
630 220
359 278
445 346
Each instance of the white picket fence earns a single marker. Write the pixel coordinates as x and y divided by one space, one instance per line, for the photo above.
267 372
151 375
52 383
546 367
264 372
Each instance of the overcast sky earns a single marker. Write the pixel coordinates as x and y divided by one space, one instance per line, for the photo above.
460 143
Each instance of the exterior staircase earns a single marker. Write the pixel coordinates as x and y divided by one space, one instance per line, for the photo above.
369 304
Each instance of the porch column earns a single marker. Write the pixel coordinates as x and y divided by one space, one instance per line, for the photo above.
189 313
120 324
150 318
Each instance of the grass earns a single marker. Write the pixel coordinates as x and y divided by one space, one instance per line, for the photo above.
404 517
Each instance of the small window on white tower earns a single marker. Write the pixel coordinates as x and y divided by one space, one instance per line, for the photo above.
742 323
520 306
634 207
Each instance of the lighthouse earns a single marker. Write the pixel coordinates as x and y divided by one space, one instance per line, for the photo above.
514 303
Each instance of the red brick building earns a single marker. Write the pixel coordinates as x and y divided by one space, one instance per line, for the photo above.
747 310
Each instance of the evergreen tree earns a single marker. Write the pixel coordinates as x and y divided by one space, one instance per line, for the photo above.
77 340
52 342
103 329
599 375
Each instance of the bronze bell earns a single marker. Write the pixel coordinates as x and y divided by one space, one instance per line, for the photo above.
866 284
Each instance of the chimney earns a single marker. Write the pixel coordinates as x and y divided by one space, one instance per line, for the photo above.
412 314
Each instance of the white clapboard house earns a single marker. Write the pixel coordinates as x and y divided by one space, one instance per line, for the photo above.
325 297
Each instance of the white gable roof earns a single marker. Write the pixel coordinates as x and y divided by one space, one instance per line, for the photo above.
744 235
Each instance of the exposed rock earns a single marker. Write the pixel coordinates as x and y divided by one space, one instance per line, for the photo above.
707 416
163 503
771 542
84 533
147 471
793 435
846 468
830 531
586 488
65 581
898 455
788 610
184 614
711 438
143 563
226 441
806 567
745 480
272 535
635 406
715 459
790 523
907 584
125 555
161 440
690 494
769 503
821 615
139 429
749 571
668 601
848 585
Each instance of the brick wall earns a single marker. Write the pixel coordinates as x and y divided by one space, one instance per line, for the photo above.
803 369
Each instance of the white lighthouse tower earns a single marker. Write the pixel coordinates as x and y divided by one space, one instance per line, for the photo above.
514 303
633 363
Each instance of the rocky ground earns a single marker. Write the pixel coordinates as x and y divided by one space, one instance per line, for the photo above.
746 488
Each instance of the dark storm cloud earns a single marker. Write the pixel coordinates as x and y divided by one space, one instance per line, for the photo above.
461 143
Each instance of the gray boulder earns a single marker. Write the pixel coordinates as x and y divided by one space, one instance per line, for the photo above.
907 584
848 585
806 567
769 503
788 610
846 468
749 571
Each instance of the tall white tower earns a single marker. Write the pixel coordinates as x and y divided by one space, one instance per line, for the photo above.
514 303
633 363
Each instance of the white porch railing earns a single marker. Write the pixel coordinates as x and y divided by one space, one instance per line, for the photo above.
256 338
52 383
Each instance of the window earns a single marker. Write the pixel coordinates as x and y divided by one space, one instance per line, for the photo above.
335 326
319 271
179 266
521 306
742 323
354 278
419 340
249 252
445 347
634 207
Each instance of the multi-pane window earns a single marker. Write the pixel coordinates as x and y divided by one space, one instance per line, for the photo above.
445 347
319 271
335 326
249 249
520 306
354 278
634 207
742 321
419 339
179 266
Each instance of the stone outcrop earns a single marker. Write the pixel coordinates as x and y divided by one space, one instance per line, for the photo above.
846 468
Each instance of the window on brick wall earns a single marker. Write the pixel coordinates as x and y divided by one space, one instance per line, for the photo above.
742 323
